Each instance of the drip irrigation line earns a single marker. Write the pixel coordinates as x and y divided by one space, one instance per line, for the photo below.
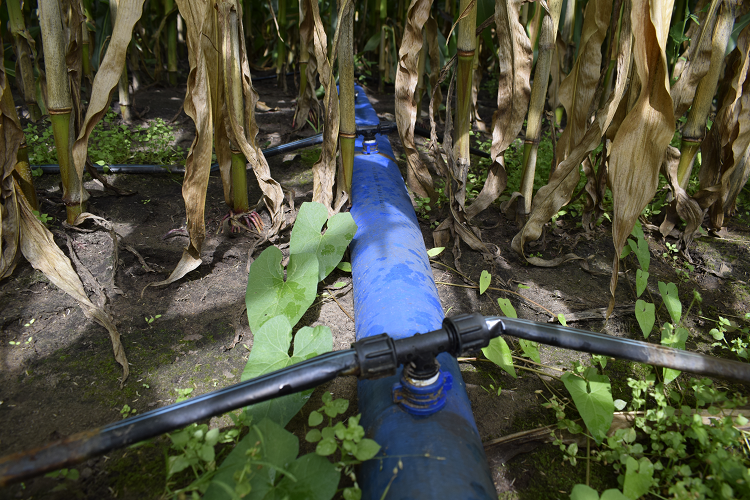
372 357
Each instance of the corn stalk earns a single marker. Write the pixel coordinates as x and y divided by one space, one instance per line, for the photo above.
348 127
171 42
25 51
308 68
122 86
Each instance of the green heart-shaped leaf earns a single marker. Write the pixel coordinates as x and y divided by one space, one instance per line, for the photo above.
671 300
641 280
645 314
499 353
593 399
329 247
484 282
676 338
269 295
507 308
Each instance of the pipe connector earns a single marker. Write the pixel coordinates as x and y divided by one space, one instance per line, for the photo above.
420 394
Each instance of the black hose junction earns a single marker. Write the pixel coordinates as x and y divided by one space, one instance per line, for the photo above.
370 358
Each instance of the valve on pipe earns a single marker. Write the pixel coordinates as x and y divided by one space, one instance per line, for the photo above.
420 392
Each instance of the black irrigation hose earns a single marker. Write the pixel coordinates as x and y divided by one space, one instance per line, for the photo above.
618 347
299 377
372 357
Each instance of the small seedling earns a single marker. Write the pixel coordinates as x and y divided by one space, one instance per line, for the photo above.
127 411
182 394
31 322
151 319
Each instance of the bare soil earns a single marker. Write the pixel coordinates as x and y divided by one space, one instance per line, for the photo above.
62 377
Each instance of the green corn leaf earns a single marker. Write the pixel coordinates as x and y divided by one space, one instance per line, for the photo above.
329 247
269 295
593 399
645 314
668 293
499 353
484 282
641 280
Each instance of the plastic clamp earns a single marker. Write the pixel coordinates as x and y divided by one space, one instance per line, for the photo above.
422 397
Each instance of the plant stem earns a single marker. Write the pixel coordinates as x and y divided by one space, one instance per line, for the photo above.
233 84
420 70
171 43
122 85
347 127
59 104
381 61
466 45
281 46
17 28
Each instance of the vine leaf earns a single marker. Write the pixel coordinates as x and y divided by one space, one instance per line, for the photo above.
676 338
593 398
499 353
329 247
268 295
638 477
671 299
641 280
645 314
507 308
531 349
484 282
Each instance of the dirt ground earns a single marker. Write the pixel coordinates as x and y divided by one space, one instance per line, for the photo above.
62 378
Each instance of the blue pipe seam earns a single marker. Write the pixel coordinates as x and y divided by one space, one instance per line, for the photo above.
394 292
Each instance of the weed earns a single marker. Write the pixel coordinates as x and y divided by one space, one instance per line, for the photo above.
151 319
127 411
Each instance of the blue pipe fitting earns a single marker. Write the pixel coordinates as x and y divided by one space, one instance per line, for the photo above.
439 455
422 397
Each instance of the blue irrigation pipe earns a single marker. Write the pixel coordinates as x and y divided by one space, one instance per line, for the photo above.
422 457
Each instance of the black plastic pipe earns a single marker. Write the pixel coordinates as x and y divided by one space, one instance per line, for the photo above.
296 378
618 347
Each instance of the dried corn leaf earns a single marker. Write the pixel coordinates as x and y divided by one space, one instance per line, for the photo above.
430 31
44 255
197 106
727 145
550 198
11 135
244 134
697 60
307 99
513 94
640 144
128 13
324 170
577 90
417 176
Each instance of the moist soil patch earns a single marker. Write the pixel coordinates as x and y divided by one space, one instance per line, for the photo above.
61 377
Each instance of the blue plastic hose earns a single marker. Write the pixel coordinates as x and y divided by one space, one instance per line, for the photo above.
441 455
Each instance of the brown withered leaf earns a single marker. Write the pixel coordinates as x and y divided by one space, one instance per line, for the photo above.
324 170
44 255
513 93
198 162
577 90
727 145
11 135
639 146
550 198
244 134
430 31
307 99
417 176
697 60
105 81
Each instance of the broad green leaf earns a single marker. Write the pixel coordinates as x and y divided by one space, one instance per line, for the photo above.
434 252
314 419
279 447
345 266
593 399
626 250
613 494
366 449
269 295
561 319
507 308
642 253
641 280
270 352
316 479
531 349
313 436
583 492
372 43
645 314
499 353
676 338
329 247
638 477
484 282
668 293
